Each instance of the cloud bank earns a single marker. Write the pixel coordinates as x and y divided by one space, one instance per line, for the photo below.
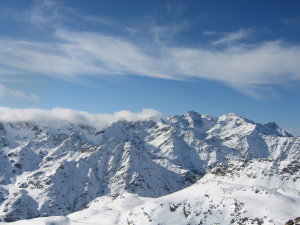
56 116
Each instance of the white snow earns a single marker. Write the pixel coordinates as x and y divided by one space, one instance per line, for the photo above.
144 172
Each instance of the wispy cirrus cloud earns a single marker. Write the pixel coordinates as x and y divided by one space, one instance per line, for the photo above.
161 33
8 93
229 37
42 13
72 54
94 54
101 20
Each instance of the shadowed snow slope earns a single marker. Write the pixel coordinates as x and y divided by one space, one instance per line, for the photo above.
126 172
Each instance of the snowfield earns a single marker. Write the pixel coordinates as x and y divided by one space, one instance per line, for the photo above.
189 169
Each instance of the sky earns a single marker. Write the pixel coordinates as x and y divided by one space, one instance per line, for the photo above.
213 57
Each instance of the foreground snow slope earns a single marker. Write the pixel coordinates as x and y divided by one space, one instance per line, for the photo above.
46 171
237 192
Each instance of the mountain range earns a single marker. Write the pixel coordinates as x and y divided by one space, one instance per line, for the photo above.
186 169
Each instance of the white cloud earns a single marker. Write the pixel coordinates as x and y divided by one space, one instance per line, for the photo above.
93 54
211 33
161 33
56 116
100 20
6 92
229 38
72 54
267 63
43 59
44 12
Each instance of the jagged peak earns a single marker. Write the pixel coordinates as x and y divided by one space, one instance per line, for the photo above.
272 128
165 157
231 116
235 117
192 114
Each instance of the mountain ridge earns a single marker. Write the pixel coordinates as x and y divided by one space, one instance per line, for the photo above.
50 171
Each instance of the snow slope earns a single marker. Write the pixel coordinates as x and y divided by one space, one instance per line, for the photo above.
237 192
54 171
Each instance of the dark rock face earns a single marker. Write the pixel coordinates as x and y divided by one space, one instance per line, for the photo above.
295 221
12 209
290 222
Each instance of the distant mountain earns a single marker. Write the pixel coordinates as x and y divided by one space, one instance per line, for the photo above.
54 171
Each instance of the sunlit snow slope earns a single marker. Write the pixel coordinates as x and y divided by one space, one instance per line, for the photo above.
223 169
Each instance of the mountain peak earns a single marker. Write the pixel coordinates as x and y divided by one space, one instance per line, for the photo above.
272 128
145 157
192 113
233 116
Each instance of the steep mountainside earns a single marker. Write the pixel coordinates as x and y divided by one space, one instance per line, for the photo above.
48 170
257 191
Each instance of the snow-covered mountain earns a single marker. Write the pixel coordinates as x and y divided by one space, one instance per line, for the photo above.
215 164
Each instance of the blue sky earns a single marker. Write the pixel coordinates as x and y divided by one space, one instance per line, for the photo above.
213 57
